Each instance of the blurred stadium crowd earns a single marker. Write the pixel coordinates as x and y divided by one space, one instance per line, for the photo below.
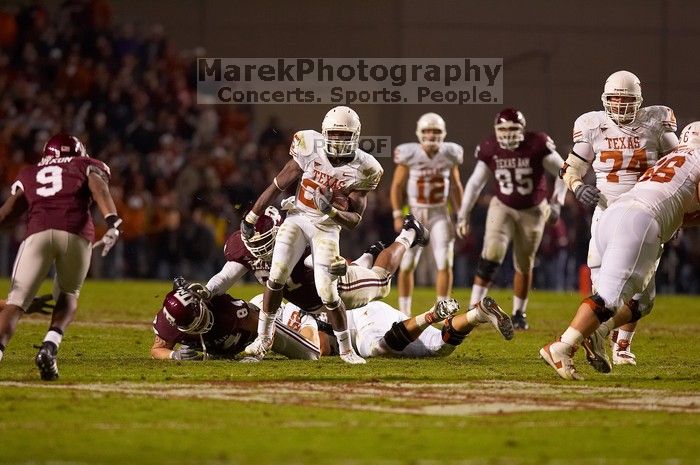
182 174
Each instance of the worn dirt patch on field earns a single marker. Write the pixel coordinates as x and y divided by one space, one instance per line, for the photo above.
457 399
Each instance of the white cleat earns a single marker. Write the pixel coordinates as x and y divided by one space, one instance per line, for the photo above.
597 357
445 309
489 311
560 356
259 347
352 358
623 357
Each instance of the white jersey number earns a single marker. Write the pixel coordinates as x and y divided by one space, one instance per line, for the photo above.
523 179
51 180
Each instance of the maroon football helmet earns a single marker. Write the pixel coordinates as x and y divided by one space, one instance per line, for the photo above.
510 128
185 308
263 241
64 145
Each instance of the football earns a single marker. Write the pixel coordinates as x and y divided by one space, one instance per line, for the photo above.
340 201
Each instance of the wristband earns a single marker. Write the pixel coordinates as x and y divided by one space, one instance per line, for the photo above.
113 221
397 214
251 217
333 212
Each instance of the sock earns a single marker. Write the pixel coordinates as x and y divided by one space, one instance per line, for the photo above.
519 304
623 335
405 305
606 327
426 319
478 293
406 237
572 337
2 351
366 260
440 298
475 317
344 343
266 324
55 336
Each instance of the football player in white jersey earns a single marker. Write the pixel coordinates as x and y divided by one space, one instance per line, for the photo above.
620 143
324 165
428 171
631 233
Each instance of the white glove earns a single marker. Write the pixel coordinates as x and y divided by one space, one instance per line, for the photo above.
554 213
185 353
107 241
462 228
323 200
338 267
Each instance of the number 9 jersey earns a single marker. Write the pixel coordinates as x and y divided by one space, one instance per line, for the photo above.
58 195
428 178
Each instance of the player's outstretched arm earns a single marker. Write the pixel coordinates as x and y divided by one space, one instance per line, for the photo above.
472 190
13 208
398 194
100 192
456 190
289 174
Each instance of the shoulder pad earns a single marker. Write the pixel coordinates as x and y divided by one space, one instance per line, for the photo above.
304 144
585 123
404 153
660 114
370 172
454 152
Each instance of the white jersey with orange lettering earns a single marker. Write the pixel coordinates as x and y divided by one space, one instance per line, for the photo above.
620 154
669 189
429 177
308 150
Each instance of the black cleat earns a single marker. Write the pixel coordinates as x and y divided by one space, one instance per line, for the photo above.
422 234
519 320
375 249
46 362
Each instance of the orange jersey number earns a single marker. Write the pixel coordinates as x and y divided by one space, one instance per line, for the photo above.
638 163
431 189
664 171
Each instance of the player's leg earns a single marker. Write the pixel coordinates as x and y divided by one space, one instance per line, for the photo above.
442 243
499 230
289 247
527 235
405 280
32 263
413 235
72 263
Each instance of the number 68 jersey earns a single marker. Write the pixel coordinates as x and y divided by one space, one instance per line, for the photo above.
428 178
58 196
623 153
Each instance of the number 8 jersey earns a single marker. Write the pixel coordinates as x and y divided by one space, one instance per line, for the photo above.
428 178
622 153
58 195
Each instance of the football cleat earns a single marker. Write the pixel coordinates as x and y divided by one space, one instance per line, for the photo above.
445 309
259 347
519 320
46 362
422 234
489 310
560 356
594 345
621 351
352 358
375 249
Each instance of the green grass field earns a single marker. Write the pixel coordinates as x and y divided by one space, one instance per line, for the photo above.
491 402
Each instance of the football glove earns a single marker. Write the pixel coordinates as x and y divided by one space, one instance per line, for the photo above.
185 353
554 213
338 267
41 305
587 194
323 200
462 228
111 236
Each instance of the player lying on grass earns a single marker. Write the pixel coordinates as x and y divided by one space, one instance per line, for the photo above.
379 330
221 326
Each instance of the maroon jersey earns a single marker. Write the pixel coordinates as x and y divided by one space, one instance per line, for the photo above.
519 173
300 288
57 192
235 326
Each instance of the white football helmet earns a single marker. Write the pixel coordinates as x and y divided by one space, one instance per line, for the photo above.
690 135
431 121
341 119
622 84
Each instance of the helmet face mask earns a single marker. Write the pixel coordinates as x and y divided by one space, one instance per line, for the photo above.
509 127
262 243
341 132
188 311
622 97
431 131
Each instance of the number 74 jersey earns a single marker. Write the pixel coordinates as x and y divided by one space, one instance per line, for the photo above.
622 154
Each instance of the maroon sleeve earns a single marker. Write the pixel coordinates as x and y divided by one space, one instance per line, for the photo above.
165 330
235 250
94 165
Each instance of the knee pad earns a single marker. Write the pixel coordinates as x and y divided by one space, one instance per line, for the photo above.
601 311
486 269
397 338
450 335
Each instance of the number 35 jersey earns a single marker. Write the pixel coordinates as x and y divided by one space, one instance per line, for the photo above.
428 178
57 192
623 153
519 173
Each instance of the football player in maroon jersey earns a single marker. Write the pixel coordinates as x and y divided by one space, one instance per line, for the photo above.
56 194
517 160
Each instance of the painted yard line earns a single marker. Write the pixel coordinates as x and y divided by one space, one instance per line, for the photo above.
462 399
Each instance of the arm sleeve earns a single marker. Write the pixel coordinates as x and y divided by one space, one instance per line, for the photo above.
229 275
573 171
553 163
473 188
